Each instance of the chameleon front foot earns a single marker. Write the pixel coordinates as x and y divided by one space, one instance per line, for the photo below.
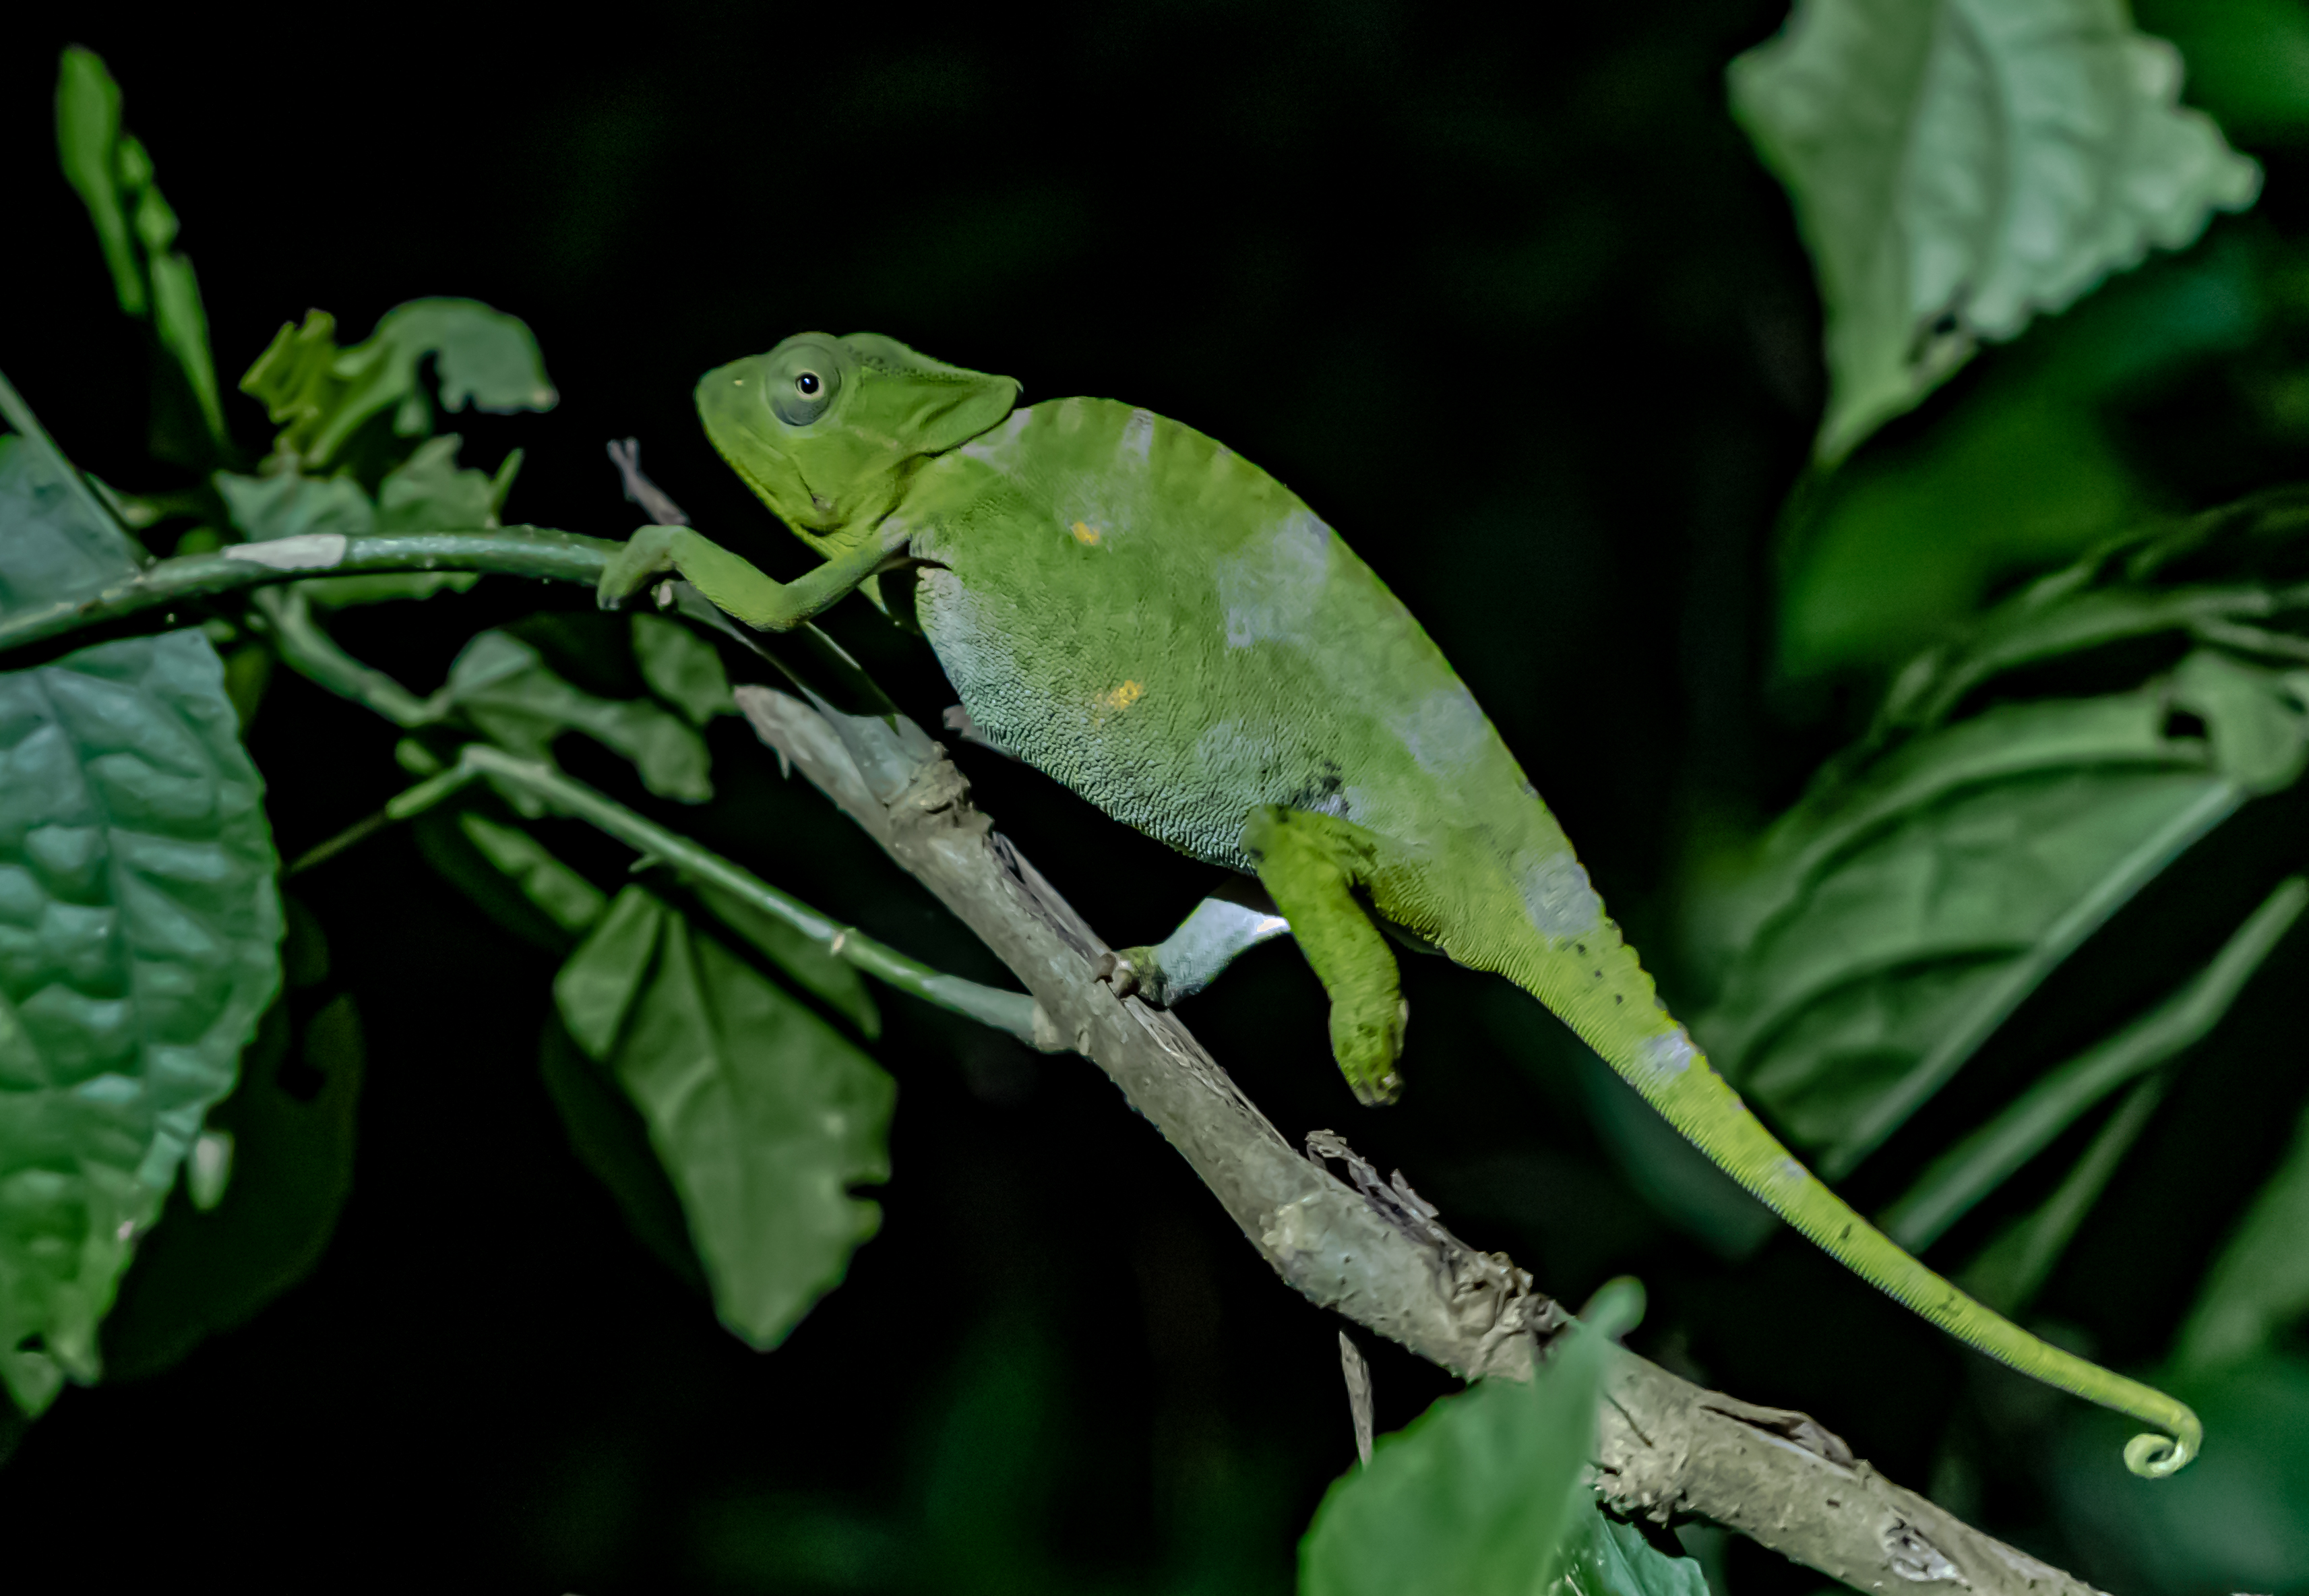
651 551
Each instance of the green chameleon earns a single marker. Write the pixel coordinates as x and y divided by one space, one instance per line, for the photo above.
1144 614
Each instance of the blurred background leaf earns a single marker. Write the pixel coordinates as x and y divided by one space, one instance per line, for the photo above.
1958 166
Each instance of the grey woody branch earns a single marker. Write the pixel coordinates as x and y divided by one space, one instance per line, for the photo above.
1370 1249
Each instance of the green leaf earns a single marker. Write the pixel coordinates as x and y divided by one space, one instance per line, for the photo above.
682 668
1605 1557
1981 1162
1898 917
88 128
138 929
1958 166
568 899
2024 470
835 981
609 1138
293 1130
426 492
2259 1283
321 395
2007 1273
1477 1496
113 175
761 1114
508 690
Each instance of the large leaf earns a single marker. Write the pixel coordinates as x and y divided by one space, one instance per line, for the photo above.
1478 1496
1896 923
1976 1166
139 929
762 1114
154 283
1958 166
321 395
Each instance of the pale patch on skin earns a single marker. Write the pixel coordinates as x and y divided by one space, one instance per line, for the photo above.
995 448
306 552
1560 901
1446 731
1139 433
1071 415
1670 1055
1273 586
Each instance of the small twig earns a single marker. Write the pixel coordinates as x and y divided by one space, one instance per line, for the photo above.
625 454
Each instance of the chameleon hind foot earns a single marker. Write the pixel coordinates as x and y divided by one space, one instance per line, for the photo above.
1312 863
1221 928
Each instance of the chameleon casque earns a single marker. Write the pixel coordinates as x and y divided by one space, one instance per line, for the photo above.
1142 613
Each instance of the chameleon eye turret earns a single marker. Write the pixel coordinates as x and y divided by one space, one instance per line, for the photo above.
804 382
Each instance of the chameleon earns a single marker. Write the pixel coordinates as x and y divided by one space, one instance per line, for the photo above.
1138 612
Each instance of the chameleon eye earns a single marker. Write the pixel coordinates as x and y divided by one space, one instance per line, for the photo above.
805 394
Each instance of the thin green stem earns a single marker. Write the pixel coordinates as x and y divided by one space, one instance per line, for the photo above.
1012 1011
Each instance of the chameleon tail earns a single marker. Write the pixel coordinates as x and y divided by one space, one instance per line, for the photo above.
1596 984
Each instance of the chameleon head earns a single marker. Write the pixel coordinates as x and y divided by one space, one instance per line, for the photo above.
828 431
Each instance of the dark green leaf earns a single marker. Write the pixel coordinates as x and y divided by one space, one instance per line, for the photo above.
2007 1273
2259 1283
1478 1494
113 175
568 899
1958 166
609 1138
1982 1161
2024 470
320 395
426 492
291 1134
1901 914
139 930
88 127
1605 1557
763 1115
682 668
506 689
835 980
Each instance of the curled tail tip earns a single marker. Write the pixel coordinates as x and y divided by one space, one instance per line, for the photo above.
2154 1457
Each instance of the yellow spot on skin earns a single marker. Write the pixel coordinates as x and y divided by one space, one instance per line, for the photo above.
1085 533
1122 698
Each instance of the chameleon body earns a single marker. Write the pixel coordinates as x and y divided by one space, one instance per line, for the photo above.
1145 615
